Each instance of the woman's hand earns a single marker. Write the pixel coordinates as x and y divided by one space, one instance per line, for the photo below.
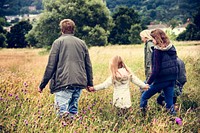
146 87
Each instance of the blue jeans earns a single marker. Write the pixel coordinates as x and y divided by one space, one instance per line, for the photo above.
66 100
168 89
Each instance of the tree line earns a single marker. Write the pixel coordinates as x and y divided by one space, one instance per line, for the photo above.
166 11
94 23
19 7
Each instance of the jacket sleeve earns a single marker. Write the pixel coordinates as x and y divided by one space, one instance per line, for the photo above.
104 85
149 56
157 59
137 81
88 67
51 65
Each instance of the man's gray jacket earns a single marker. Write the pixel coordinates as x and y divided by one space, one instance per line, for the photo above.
68 65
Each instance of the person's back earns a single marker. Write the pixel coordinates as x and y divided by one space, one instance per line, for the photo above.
120 79
69 68
181 79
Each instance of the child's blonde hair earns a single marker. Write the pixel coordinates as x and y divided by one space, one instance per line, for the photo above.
115 63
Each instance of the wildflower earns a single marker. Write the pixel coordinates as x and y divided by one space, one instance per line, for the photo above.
64 123
178 121
26 122
17 97
100 109
1 98
10 94
25 84
154 121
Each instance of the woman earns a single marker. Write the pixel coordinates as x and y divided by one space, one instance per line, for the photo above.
164 71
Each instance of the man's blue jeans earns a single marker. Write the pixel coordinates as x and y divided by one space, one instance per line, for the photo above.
66 100
168 89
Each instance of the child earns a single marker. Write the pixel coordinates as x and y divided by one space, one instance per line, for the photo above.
164 71
120 79
181 80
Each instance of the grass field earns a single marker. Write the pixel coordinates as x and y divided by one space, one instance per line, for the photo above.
23 109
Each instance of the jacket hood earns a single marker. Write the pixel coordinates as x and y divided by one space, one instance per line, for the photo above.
170 49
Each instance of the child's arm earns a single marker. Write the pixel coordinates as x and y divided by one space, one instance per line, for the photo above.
138 82
104 85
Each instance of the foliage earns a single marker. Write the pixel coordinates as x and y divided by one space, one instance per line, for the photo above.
124 18
159 10
96 36
2 33
192 30
18 7
2 40
16 36
134 37
171 35
3 22
91 16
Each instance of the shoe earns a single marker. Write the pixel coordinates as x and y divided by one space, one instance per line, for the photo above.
178 121
143 112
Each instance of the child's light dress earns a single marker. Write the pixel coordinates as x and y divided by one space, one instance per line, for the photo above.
121 95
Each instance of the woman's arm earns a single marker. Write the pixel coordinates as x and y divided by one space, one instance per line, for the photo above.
156 64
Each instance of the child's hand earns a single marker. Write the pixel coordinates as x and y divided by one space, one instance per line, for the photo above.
90 89
146 87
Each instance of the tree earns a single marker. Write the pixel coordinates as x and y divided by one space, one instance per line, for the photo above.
2 40
89 16
134 37
97 36
16 37
123 18
192 30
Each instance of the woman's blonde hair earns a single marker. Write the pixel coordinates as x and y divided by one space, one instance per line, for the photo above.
161 38
115 63
67 26
146 34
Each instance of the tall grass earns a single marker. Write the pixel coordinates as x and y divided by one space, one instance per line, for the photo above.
23 109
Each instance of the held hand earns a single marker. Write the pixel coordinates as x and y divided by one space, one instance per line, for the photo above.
90 88
146 87
39 90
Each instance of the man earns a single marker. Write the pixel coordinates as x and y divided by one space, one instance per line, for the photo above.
69 68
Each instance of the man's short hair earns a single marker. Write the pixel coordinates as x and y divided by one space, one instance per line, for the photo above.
67 26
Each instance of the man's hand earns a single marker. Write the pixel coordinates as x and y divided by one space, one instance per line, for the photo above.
39 90
90 89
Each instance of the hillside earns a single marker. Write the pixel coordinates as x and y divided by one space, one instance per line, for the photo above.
160 10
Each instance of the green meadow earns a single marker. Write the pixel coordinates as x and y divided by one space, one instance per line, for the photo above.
24 110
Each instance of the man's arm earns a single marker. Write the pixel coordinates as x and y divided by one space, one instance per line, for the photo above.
51 66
